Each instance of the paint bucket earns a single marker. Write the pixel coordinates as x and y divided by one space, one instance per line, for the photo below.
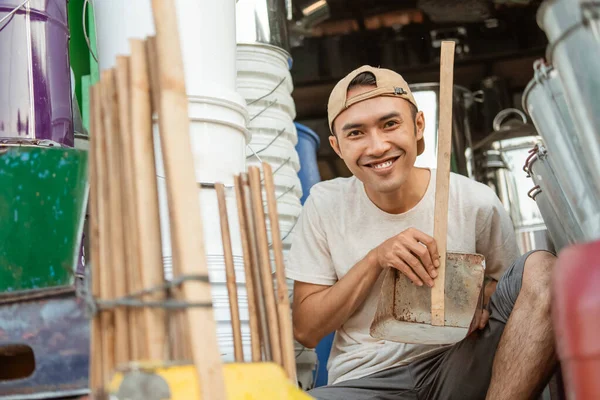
43 196
573 30
544 100
307 147
218 137
34 71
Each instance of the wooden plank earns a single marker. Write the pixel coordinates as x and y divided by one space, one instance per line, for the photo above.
286 334
96 353
146 200
137 330
118 278
104 256
187 239
440 224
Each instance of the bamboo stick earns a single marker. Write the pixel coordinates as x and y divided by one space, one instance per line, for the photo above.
146 199
258 284
186 222
283 301
265 263
118 278
137 331
253 318
104 258
96 354
179 340
230 274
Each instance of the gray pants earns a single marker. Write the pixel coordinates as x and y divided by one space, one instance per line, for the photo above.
462 372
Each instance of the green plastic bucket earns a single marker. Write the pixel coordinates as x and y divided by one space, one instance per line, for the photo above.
43 196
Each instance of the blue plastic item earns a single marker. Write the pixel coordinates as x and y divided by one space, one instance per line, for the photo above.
308 144
307 147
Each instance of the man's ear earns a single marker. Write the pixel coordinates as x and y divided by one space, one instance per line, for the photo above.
333 141
420 125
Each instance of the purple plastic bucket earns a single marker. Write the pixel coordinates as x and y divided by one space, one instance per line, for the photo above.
35 80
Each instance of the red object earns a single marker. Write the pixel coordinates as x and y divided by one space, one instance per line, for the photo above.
576 317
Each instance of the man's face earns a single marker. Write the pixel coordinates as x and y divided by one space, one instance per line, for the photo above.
377 139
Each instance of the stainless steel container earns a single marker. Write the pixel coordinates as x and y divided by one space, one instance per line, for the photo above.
262 21
558 216
499 164
544 101
573 31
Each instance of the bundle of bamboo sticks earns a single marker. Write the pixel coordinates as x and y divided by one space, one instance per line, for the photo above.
172 322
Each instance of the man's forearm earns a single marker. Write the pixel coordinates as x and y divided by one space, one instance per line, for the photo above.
318 314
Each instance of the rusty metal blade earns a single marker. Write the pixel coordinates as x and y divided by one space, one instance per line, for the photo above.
404 309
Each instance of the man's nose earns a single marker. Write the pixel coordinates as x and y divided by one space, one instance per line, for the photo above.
379 144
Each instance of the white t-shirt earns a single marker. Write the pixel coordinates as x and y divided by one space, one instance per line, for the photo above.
339 225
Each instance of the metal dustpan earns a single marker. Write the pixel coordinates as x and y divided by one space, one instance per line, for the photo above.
443 314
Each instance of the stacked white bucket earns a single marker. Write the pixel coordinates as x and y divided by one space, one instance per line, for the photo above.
264 80
218 119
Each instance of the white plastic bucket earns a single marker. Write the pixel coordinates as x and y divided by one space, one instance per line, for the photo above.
269 62
262 93
117 21
285 177
272 122
273 150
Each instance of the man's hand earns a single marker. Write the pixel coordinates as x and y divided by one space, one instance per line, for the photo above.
481 319
411 252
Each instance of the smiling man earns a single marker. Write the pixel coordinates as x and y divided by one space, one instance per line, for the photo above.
352 229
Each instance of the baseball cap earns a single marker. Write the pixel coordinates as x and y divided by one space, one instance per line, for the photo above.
388 83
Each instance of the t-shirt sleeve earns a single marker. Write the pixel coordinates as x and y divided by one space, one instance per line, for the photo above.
496 239
309 259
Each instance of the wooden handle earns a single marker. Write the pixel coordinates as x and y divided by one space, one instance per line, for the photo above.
442 184
265 262
256 275
146 200
230 274
283 301
96 353
185 218
117 251
253 318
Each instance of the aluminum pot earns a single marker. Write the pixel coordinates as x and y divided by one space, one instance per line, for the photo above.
558 216
499 164
544 101
573 31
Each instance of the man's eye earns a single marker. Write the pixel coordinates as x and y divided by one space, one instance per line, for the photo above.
390 124
353 133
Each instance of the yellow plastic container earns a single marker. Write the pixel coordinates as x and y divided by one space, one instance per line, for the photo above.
249 381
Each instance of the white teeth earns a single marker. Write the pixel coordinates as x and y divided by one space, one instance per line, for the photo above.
383 165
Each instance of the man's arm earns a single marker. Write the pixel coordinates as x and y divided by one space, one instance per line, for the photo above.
319 309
